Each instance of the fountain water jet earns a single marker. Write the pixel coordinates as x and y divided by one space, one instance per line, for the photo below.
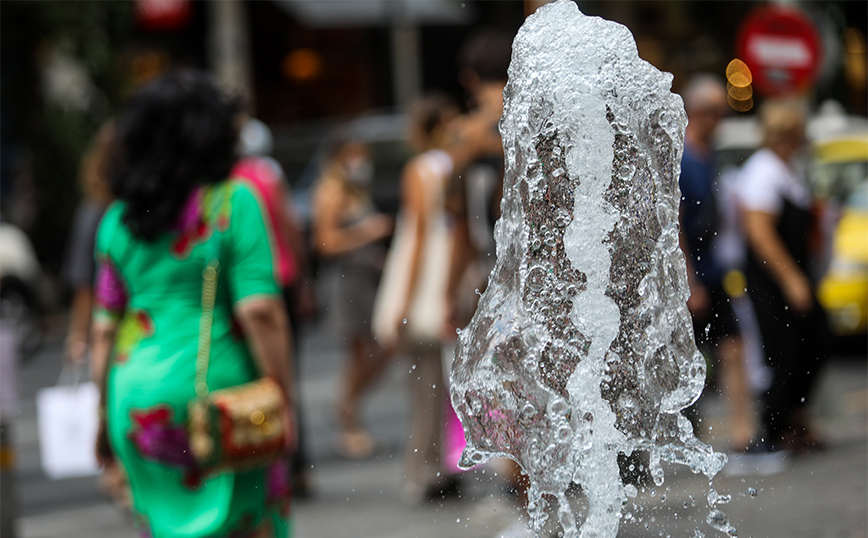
582 346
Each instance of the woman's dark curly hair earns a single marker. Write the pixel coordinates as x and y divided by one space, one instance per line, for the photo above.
179 131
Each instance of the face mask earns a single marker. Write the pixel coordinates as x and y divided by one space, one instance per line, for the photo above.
359 171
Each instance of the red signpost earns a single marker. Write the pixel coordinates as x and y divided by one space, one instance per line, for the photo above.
782 47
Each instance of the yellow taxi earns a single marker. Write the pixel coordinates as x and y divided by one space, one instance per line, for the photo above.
841 170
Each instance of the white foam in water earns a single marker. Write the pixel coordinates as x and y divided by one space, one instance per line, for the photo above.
582 346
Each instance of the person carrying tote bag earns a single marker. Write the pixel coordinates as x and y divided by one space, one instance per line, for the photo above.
410 308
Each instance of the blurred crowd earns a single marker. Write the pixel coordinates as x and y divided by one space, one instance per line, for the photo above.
394 284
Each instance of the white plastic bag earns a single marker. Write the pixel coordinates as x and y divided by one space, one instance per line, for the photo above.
68 423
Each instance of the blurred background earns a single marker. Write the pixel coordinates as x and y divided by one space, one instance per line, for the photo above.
308 67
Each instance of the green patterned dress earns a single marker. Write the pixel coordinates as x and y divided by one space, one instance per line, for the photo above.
153 291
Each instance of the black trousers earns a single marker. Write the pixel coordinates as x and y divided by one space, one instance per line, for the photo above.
795 347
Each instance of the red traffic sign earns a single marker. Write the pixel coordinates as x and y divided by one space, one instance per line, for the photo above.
163 14
782 48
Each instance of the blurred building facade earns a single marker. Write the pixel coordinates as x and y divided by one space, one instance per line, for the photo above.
298 61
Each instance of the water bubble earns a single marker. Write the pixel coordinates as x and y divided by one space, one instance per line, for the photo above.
536 277
752 492
625 171
404 321
559 407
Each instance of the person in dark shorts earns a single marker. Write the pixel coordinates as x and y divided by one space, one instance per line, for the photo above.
714 322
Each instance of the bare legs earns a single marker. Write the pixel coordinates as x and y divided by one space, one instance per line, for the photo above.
736 392
367 361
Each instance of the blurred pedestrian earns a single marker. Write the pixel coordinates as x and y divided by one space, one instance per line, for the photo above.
349 234
473 203
476 188
292 262
78 267
176 212
79 273
411 305
776 208
714 322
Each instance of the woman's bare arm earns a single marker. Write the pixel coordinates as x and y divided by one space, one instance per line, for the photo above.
103 335
265 324
330 236
763 238
79 323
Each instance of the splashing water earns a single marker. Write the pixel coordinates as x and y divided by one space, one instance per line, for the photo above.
582 346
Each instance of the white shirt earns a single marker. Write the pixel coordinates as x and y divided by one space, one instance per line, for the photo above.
766 181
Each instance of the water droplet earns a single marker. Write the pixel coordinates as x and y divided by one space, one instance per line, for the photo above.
752 492
404 321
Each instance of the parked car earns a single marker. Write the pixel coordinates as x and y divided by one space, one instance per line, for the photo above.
840 172
20 274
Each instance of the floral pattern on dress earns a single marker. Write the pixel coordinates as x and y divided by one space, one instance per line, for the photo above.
278 491
205 208
135 326
110 291
158 438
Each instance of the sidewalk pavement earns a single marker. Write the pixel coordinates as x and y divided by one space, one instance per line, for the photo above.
823 495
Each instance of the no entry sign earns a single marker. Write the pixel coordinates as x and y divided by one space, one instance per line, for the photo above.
782 48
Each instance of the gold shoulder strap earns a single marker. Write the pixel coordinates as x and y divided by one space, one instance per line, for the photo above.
203 353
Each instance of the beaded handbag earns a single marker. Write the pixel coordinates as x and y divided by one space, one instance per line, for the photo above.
239 427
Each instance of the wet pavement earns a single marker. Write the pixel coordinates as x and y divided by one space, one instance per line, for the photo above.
820 495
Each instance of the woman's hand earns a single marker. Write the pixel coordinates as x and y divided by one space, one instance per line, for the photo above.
104 454
75 348
376 227
797 292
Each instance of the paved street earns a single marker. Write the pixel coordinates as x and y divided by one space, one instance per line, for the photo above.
821 496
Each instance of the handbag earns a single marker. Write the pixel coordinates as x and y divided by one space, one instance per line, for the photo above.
237 428
67 422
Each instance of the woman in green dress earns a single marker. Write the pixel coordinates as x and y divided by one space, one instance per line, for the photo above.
176 211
